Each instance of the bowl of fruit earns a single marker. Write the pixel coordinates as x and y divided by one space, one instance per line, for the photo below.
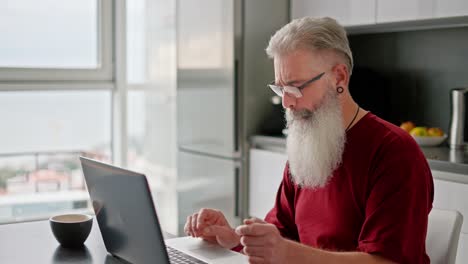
425 136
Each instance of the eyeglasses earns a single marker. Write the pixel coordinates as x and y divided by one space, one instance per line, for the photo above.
295 91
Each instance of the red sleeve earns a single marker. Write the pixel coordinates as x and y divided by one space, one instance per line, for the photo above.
398 204
237 248
282 214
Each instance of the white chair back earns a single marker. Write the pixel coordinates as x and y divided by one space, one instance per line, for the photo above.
443 232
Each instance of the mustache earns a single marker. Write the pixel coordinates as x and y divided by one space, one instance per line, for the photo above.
294 115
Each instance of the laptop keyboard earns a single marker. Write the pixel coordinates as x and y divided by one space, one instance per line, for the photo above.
177 257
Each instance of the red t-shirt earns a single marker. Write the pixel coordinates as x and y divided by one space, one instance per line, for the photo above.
377 201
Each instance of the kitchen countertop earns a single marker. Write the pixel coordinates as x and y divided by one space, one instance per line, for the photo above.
439 158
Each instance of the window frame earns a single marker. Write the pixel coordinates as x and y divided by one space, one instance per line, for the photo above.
103 72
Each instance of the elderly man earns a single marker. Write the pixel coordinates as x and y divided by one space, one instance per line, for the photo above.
356 189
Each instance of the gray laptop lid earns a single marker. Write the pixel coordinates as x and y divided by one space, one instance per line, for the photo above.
125 212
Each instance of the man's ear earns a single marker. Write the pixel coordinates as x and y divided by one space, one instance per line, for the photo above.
341 75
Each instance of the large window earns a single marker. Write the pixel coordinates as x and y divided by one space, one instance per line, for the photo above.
56 102
61 97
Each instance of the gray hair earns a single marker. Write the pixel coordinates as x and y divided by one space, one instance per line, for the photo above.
312 34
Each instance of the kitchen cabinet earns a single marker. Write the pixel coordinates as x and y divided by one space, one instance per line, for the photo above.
368 16
265 173
347 12
402 10
406 10
448 8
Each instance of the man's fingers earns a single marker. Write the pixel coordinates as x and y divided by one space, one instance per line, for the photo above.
254 220
254 229
186 227
189 226
254 251
202 221
252 241
197 222
194 224
207 213
208 216
256 260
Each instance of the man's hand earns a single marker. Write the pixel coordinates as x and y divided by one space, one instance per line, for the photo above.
262 242
211 225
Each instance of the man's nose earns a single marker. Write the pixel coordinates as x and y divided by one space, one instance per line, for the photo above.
289 101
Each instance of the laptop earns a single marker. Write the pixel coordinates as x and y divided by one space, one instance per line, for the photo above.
129 225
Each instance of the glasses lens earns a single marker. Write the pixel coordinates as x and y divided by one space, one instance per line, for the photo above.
277 89
293 91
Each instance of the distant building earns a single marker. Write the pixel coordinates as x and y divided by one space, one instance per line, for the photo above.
39 181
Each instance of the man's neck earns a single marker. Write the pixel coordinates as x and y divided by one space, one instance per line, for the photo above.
352 113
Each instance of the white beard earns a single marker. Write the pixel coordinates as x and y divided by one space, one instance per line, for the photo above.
315 142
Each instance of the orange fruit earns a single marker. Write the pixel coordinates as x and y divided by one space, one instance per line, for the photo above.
407 126
435 132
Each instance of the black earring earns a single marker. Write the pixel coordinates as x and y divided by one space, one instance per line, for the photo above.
339 89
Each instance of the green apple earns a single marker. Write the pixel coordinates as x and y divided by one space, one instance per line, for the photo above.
419 131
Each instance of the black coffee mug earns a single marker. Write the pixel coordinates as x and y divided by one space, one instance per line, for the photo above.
71 230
